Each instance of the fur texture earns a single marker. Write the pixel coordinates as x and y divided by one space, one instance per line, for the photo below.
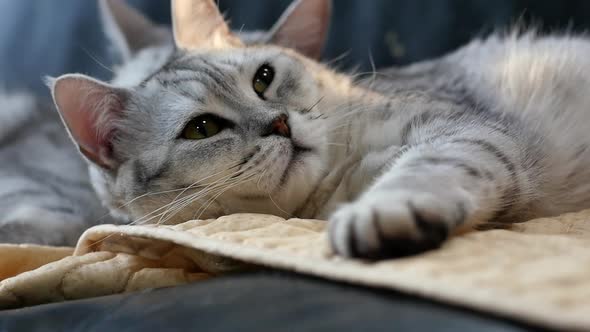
490 134
396 163
45 193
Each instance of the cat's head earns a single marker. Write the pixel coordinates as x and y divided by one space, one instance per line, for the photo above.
211 125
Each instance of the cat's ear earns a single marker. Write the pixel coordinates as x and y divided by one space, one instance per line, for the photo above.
128 30
199 24
91 111
303 27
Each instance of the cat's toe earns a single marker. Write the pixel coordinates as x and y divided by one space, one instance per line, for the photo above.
392 226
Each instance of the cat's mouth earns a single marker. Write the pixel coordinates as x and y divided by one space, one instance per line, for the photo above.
298 151
296 156
276 162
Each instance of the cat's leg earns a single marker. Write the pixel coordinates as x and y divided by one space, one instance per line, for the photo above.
431 190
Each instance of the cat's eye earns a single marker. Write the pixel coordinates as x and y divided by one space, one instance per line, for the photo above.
202 127
263 79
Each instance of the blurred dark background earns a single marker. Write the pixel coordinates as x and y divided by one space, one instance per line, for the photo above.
39 37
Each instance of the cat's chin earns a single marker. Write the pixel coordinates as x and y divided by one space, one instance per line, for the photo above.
286 177
289 165
296 162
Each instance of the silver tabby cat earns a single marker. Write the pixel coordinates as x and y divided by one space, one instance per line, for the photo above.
493 133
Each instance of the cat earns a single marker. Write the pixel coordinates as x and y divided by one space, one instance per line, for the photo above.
490 134
46 195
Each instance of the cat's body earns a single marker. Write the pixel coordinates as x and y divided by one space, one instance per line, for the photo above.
490 134
523 93
45 193
493 132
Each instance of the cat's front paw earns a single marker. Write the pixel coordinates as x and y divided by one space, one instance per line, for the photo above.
394 224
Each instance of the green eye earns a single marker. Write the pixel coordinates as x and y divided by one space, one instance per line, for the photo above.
202 127
263 79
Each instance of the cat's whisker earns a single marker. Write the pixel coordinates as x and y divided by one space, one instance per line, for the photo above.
167 206
210 176
332 129
343 55
319 116
337 144
352 107
207 185
227 177
374 69
355 111
175 190
154 213
314 105
221 188
289 215
222 192
154 194
203 191
197 215
260 178
197 196
186 201
340 126
170 210
95 59
356 76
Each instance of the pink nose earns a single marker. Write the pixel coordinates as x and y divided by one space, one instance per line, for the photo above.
280 127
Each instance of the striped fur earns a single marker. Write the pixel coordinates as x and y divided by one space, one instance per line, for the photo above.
46 196
397 162
496 136
491 134
45 192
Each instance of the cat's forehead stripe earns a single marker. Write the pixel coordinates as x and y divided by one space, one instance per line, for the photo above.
197 64
182 69
174 56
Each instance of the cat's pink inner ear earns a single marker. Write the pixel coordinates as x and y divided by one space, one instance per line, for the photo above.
89 110
304 27
198 24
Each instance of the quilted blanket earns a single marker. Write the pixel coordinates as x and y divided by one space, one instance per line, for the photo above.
536 272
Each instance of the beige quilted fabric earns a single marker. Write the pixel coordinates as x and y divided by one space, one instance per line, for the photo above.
538 272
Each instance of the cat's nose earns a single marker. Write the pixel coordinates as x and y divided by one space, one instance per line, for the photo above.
279 126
